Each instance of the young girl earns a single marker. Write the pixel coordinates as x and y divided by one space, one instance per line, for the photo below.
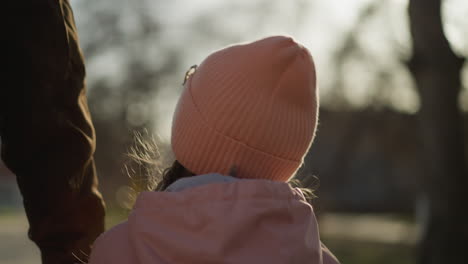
245 120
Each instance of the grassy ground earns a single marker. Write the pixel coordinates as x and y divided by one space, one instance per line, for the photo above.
354 239
354 252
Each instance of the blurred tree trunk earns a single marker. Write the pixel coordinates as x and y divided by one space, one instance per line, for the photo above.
436 70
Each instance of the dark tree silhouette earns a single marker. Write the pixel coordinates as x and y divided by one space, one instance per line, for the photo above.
436 70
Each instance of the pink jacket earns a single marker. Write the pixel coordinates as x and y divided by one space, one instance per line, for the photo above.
242 221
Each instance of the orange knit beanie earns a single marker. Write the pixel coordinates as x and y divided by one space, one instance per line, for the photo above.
252 107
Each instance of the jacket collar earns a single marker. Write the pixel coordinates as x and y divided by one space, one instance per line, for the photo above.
189 182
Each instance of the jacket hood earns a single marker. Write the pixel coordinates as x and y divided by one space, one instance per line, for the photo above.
243 221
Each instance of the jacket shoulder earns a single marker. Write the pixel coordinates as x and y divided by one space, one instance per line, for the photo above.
112 246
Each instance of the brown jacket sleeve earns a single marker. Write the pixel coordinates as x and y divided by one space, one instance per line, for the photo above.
46 131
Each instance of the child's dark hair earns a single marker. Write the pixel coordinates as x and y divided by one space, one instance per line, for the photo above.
172 174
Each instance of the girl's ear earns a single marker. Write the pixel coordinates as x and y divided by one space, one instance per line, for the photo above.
233 171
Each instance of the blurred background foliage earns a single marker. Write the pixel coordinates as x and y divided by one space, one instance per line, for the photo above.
372 159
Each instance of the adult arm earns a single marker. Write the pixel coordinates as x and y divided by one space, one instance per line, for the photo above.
46 131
